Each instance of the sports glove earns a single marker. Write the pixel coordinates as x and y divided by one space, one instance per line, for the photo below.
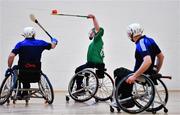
54 40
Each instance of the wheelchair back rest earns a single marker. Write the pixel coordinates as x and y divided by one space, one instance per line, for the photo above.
29 72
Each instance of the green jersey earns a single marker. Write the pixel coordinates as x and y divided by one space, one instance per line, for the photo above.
95 51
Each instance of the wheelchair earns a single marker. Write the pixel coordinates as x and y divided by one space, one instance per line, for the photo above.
149 94
94 84
11 86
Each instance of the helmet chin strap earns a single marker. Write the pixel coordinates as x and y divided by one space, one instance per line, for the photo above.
135 38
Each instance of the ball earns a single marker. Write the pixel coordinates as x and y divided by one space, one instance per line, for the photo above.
54 11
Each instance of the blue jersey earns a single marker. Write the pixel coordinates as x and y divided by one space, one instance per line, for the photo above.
146 46
30 50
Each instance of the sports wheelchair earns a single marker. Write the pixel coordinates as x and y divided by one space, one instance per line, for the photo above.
95 83
149 93
11 86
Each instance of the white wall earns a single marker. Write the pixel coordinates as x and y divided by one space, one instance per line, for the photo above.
160 19
0 41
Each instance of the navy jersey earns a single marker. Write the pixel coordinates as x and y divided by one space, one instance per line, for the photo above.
146 46
30 50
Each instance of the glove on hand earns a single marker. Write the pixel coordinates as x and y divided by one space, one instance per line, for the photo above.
54 40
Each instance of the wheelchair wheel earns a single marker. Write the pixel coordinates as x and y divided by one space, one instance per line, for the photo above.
46 89
6 89
105 88
89 86
141 97
161 97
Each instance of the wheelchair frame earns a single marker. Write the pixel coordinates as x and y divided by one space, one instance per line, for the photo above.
11 83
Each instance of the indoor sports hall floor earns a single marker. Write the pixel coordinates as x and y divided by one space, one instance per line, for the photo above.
61 107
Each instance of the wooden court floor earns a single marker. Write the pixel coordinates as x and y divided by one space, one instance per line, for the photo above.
61 107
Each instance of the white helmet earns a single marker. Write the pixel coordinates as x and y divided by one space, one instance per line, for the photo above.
29 32
134 30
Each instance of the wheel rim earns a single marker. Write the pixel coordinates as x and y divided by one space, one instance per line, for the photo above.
6 89
142 96
89 86
105 88
46 89
161 97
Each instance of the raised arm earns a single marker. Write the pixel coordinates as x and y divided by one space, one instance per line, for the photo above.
96 25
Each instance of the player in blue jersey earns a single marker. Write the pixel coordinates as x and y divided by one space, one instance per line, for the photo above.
29 51
147 55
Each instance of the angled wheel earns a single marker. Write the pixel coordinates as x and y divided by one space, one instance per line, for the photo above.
141 97
6 89
161 97
105 88
88 88
46 89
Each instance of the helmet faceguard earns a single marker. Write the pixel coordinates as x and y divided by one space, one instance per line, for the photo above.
130 35
134 30
92 33
29 32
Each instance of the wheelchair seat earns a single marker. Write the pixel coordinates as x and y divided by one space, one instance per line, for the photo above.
100 72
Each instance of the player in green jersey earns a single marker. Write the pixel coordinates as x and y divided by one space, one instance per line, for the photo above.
95 52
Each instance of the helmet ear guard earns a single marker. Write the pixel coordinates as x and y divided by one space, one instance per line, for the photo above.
130 34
